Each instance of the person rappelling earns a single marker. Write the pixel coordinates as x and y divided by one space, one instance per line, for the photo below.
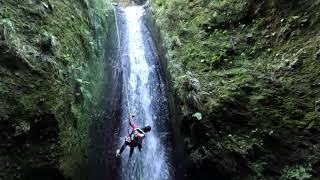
134 139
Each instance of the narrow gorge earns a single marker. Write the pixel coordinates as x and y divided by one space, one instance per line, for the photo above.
230 88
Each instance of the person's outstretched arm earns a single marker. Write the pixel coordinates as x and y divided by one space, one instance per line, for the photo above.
132 125
130 120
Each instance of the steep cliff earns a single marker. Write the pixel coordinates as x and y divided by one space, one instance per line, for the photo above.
245 75
52 59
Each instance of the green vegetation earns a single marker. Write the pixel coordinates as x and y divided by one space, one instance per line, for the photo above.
245 74
250 68
298 172
240 144
51 75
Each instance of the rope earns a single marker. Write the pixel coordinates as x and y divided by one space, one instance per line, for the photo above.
141 167
119 51
128 100
117 26
126 89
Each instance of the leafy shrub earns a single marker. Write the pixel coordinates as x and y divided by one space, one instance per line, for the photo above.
298 172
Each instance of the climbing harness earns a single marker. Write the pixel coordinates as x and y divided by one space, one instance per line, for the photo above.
126 90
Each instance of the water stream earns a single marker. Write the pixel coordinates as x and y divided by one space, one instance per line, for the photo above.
144 97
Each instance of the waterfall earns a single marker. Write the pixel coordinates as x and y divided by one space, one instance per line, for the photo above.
144 97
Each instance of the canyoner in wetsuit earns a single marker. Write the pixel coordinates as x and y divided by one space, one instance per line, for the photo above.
134 139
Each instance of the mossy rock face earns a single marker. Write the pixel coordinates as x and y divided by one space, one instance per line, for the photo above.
139 2
256 72
48 51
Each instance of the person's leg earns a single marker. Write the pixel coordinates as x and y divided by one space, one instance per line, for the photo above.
123 147
140 147
131 151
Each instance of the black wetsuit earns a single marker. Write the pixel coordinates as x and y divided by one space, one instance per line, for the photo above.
134 139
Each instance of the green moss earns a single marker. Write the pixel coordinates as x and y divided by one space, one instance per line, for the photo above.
57 54
256 66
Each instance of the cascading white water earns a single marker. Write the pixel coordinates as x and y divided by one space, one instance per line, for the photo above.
146 100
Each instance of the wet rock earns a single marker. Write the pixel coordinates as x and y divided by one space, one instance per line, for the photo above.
10 60
36 83
317 55
139 2
295 63
317 105
48 43
46 172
